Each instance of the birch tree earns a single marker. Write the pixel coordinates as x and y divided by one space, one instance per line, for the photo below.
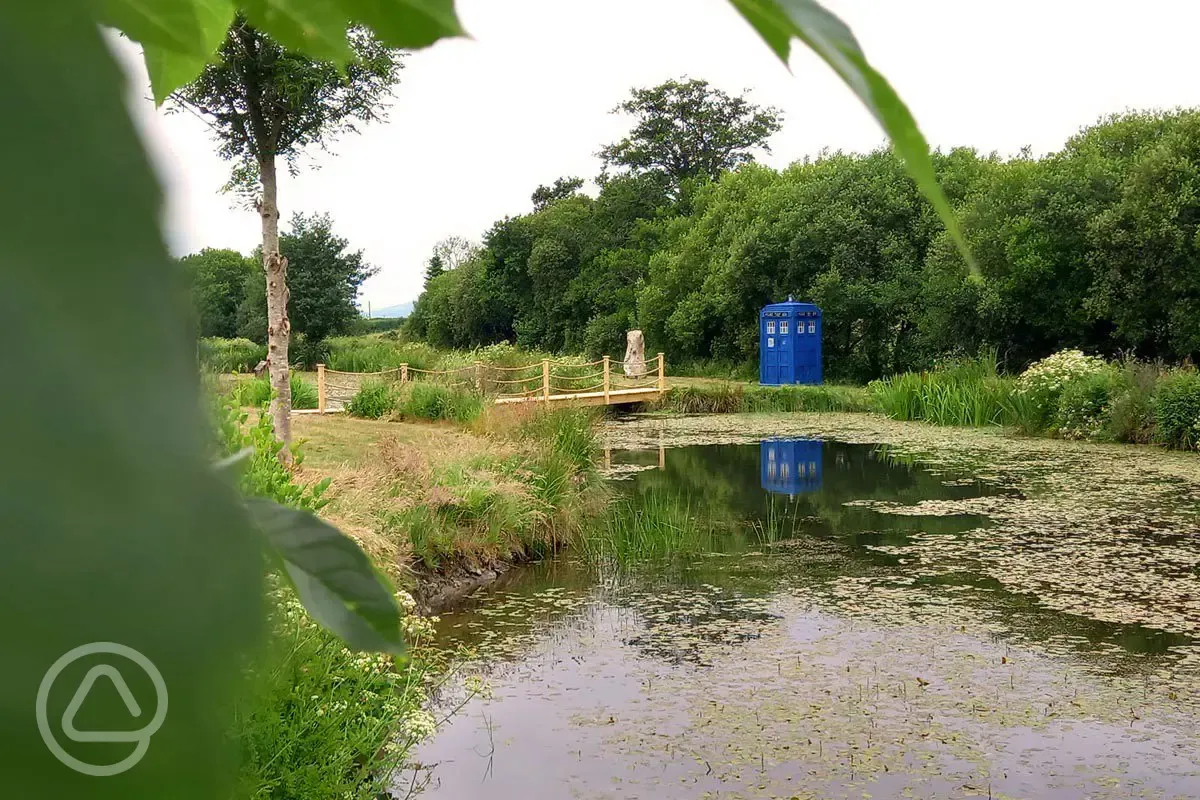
266 104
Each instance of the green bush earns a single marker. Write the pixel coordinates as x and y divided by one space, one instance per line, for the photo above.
373 400
264 475
1177 410
378 353
434 402
1045 381
230 355
1130 415
1084 404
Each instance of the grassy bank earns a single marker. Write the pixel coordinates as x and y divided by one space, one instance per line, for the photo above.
315 720
509 484
735 398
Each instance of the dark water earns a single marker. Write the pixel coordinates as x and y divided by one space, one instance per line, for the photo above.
803 618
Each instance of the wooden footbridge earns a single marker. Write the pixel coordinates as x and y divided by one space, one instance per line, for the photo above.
550 382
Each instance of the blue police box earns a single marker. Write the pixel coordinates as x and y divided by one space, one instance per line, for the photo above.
791 466
789 345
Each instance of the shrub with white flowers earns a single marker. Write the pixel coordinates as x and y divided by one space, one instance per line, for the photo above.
1045 380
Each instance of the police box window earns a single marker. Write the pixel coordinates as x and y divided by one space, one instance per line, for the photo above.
770 326
783 326
812 327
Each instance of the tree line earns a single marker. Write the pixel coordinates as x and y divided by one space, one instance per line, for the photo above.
1094 246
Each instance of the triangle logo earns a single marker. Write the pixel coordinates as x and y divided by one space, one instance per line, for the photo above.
68 721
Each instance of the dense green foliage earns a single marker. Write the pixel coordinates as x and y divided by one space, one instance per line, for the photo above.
414 400
217 281
323 281
1093 247
266 96
433 402
684 130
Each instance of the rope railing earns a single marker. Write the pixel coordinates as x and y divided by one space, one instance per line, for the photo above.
550 378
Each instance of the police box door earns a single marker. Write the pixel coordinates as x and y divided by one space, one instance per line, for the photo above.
777 345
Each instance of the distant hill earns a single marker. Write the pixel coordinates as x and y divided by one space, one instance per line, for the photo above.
393 312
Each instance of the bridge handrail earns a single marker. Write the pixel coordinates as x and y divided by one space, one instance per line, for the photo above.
547 390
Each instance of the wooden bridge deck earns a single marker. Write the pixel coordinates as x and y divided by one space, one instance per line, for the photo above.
614 397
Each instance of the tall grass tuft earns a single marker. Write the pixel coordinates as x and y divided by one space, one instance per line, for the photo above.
373 400
654 529
1177 410
258 392
435 402
965 393
569 432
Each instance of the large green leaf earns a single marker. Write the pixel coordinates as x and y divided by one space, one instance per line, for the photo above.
314 27
169 70
780 21
191 27
116 528
406 23
334 578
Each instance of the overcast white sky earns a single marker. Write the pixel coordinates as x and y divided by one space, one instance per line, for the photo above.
477 124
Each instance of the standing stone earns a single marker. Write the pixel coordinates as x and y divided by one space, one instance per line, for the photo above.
635 354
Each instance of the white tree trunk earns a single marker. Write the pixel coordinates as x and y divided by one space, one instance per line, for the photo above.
278 328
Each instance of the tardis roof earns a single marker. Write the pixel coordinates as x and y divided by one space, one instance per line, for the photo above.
791 305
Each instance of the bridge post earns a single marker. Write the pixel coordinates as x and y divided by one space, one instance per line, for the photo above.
662 373
404 373
479 377
320 388
546 381
607 378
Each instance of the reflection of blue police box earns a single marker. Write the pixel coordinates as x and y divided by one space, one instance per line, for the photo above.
790 466
789 344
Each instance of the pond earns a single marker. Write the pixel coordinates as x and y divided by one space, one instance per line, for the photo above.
838 606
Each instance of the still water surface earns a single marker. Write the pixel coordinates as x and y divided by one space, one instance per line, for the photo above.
837 619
